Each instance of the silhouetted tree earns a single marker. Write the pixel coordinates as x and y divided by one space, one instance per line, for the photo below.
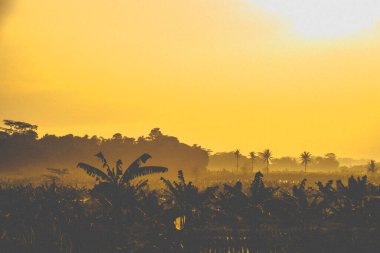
305 158
371 168
329 161
237 155
186 202
17 127
353 200
155 134
227 160
117 137
246 209
328 198
116 177
266 156
306 209
331 156
20 149
252 156
285 163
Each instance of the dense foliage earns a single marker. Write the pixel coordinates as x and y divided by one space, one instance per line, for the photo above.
56 218
22 151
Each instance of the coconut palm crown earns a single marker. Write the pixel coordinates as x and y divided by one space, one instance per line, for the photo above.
266 156
305 158
252 156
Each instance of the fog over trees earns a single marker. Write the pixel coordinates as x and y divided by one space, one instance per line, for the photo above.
227 160
23 151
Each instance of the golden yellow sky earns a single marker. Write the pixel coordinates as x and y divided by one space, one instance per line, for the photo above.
224 74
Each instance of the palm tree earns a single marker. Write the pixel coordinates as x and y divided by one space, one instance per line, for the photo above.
237 155
371 168
252 156
117 178
305 158
267 157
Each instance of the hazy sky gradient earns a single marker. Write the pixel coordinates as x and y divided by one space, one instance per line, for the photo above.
223 74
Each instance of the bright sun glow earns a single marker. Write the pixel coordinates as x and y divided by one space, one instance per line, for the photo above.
326 18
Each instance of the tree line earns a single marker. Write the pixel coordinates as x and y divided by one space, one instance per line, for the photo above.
22 151
265 160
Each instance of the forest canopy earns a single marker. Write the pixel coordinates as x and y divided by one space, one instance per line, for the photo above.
21 150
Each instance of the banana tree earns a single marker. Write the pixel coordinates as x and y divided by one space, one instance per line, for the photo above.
116 176
247 208
353 199
186 203
114 184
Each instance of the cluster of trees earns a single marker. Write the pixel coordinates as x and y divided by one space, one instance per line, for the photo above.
235 161
121 214
21 149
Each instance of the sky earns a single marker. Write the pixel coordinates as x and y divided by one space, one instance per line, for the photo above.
250 74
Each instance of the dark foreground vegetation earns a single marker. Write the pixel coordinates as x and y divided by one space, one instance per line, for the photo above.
121 213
